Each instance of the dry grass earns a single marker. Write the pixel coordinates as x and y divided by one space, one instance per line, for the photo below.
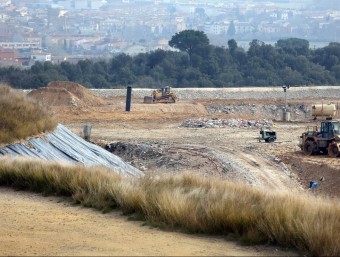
192 204
21 117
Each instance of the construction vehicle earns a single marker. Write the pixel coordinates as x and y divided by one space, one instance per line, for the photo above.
327 138
163 95
267 135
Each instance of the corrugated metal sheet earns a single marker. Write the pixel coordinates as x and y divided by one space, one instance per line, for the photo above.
63 145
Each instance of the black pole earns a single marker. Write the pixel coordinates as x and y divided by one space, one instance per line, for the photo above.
128 99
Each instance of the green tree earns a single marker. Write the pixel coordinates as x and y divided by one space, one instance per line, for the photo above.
294 46
125 77
169 68
156 57
37 67
100 67
336 72
98 81
139 64
71 71
189 41
223 58
256 48
232 45
86 67
328 56
119 62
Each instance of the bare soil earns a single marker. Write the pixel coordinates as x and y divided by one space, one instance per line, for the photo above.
229 153
32 225
150 138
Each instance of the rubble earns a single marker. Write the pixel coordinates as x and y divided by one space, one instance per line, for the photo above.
267 111
224 123
174 159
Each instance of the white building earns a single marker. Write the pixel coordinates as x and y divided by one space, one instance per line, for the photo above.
216 29
243 27
21 45
41 57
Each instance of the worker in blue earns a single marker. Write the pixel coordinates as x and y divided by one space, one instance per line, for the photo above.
313 184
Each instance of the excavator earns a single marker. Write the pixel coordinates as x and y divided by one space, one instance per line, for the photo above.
325 139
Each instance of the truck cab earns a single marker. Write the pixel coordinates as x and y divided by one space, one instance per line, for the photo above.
329 129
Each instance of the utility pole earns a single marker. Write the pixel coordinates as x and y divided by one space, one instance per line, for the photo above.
128 99
286 114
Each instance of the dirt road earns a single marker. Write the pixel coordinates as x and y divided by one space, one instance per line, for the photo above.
32 225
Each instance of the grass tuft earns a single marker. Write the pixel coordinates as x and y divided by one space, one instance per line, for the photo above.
20 117
189 203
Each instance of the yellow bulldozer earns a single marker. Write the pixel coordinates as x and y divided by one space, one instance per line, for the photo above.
325 140
162 95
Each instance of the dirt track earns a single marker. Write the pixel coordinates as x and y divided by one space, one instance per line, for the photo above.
35 225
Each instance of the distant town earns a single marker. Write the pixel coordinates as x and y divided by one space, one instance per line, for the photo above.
73 30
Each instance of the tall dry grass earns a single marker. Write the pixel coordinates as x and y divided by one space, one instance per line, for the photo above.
20 117
303 222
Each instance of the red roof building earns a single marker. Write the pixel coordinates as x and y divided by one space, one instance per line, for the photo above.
9 56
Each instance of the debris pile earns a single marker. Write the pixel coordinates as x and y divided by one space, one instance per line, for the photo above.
264 111
224 123
142 151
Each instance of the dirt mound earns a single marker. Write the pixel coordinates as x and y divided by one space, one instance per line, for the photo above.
65 93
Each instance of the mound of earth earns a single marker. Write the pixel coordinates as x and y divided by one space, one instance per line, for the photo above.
65 93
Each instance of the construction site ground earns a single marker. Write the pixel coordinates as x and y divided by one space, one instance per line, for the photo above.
32 225
151 138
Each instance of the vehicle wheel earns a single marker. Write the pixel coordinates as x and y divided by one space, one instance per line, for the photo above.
333 150
308 148
271 140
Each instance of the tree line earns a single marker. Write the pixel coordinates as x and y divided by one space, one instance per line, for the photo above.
197 63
